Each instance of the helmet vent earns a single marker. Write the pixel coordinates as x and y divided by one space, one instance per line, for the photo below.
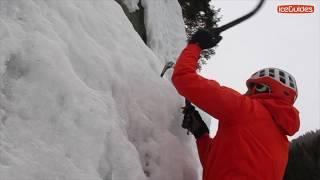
261 74
291 82
283 80
281 74
271 72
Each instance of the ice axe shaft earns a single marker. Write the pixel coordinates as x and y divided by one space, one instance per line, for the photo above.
185 124
217 31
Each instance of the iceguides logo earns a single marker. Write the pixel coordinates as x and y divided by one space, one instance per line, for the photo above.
295 9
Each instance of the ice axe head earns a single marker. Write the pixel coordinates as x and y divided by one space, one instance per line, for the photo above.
167 66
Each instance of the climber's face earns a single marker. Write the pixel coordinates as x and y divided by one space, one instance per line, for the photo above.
258 89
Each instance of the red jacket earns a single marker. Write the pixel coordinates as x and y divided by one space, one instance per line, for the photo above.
251 142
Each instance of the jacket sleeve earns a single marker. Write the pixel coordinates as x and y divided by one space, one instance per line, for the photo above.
218 101
203 145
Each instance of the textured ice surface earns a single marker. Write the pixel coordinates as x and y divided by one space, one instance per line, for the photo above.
80 93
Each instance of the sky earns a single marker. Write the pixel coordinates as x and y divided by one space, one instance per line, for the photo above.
269 39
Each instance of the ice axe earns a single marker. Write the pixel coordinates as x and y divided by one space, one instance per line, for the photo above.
218 30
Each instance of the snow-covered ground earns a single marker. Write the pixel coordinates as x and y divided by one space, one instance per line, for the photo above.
80 93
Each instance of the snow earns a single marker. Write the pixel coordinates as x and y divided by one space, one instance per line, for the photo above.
167 34
81 96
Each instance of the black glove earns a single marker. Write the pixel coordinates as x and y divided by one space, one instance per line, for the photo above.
193 122
205 39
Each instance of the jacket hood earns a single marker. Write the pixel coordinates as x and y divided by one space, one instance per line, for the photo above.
285 115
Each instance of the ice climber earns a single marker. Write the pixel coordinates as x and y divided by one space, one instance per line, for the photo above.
251 141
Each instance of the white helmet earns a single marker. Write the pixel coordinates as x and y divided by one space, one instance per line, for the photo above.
280 82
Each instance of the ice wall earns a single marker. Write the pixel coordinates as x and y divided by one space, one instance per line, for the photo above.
80 93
